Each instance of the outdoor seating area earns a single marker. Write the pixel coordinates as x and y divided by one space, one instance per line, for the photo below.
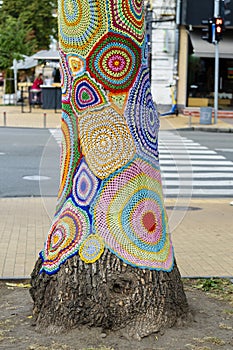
48 97
26 90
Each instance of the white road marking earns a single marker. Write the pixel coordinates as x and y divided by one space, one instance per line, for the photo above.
199 192
36 178
224 149
196 162
190 156
196 183
198 175
185 151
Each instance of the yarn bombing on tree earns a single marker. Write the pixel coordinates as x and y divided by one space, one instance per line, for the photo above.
110 195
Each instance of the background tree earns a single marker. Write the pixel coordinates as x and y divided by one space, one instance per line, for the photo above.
12 41
25 28
108 260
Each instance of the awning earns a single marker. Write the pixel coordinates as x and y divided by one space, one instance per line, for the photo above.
201 48
26 63
49 55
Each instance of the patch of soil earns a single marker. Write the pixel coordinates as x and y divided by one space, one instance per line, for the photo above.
211 328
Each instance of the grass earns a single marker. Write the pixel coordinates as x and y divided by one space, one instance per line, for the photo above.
228 312
102 348
210 340
55 346
219 288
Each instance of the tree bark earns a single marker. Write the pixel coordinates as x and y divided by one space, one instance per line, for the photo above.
108 294
108 260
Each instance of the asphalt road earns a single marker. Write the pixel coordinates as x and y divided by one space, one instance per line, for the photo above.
222 143
26 154
29 161
196 164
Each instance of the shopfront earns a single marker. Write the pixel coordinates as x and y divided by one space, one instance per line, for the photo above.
197 57
201 71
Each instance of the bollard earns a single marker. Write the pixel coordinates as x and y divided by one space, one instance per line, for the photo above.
45 115
190 119
4 118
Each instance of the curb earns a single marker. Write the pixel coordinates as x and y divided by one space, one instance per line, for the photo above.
222 130
188 128
26 127
201 128
15 279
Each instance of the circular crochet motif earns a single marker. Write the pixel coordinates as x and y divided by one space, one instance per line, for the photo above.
86 93
129 214
81 24
91 249
76 64
65 78
70 156
85 185
114 62
142 117
105 141
127 17
65 237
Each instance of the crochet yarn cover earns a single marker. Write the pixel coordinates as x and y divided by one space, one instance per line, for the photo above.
110 194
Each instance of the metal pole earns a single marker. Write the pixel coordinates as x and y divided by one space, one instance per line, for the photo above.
177 48
45 116
22 100
4 118
216 8
190 119
216 83
15 79
216 77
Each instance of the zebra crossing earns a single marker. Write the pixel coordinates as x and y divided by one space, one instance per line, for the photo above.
188 168
57 134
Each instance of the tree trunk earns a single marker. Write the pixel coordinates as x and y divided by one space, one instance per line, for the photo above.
108 294
108 260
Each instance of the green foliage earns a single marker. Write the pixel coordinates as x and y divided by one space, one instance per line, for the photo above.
219 288
12 41
209 284
25 28
44 25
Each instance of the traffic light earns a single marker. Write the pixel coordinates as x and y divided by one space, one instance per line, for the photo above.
225 12
219 28
208 30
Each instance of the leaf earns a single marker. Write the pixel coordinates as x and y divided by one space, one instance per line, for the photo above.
18 285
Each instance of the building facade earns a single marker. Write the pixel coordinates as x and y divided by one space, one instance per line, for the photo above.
164 51
181 58
197 57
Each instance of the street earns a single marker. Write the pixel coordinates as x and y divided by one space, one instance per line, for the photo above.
29 163
193 164
222 143
196 164
29 171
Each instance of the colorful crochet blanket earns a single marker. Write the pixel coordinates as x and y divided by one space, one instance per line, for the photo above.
110 194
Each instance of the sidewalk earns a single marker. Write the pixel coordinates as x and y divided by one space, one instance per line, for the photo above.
202 235
40 118
203 238
193 123
11 116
